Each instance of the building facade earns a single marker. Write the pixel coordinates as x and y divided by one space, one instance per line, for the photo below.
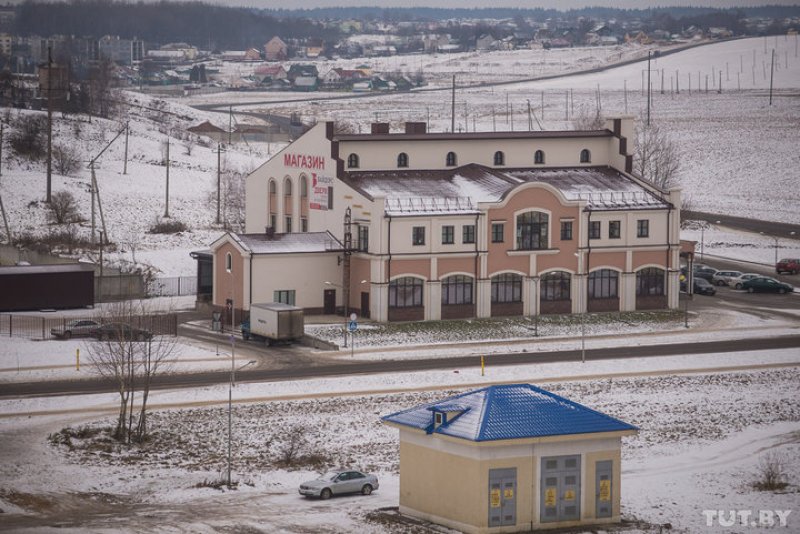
485 224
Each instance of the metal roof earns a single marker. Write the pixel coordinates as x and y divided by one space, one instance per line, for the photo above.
513 411
482 136
288 243
601 187
46 269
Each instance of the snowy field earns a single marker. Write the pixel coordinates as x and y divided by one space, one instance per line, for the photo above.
702 435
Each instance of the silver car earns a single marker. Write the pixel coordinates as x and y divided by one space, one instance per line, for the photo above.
723 278
339 482
76 328
738 282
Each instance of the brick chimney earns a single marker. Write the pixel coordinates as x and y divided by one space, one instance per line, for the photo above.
416 128
379 128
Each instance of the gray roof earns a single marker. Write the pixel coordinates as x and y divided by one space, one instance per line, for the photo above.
46 269
602 188
482 136
291 243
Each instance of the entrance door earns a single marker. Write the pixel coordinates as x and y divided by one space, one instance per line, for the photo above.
603 488
560 489
365 304
329 301
502 497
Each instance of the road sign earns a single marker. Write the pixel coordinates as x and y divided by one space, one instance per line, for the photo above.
353 316
352 326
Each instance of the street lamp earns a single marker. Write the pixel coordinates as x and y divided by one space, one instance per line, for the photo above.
230 409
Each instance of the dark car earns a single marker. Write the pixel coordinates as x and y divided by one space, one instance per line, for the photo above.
703 287
121 332
766 285
75 328
788 265
704 272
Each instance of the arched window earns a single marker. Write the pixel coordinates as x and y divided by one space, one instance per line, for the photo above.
555 286
228 262
604 284
532 230
586 156
272 186
451 160
405 292
287 187
499 158
352 161
456 289
538 157
650 282
303 186
506 287
402 159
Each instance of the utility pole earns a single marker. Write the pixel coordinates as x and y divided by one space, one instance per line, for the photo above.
2 128
453 107
219 177
230 123
166 206
5 221
49 123
771 72
125 167
648 87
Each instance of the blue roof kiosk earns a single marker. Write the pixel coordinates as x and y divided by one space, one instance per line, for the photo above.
509 458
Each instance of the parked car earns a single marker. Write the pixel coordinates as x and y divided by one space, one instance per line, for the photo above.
339 482
75 328
723 278
703 287
704 271
787 265
121 332
736 283
766 285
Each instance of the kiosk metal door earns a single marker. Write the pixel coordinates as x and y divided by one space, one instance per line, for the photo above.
502 497
560 490
603 489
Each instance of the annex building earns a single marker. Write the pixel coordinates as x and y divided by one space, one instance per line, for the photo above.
413 225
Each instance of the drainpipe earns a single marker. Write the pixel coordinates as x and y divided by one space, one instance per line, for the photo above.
588 258
666 264
477 216
388 263
250 302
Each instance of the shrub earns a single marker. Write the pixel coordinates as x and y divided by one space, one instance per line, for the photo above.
66 160
771 472
29 140
62 208
168 227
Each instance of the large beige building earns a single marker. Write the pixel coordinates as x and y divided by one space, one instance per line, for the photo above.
450 225
509 458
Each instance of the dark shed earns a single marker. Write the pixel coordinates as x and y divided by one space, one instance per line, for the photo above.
33 287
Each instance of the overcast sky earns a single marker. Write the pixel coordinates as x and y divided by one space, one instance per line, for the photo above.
559 4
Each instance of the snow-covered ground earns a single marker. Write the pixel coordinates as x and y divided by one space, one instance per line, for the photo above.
717 240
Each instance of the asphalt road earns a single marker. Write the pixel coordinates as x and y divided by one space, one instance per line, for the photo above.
775 229
67 387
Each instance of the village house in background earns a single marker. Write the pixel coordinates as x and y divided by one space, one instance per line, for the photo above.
427 226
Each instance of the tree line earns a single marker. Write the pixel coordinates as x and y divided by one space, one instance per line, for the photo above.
203 25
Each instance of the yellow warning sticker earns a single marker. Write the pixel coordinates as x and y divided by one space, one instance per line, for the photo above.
495 498
550 497
605 490
569 495
508 493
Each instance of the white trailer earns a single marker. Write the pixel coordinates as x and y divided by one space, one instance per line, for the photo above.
274 321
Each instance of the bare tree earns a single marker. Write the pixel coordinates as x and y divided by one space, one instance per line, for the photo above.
771 471
62 208
294 444
131 356
66 160
656 158
188 146
586 120
232 197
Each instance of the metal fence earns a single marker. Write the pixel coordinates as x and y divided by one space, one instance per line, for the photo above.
175 286
43 328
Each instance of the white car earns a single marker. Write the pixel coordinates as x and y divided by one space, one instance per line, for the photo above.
737 283
723 278
339 482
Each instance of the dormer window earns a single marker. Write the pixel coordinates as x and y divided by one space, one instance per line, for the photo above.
586 156
538 157
402 159
499 158
438 418
352 161
451 160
